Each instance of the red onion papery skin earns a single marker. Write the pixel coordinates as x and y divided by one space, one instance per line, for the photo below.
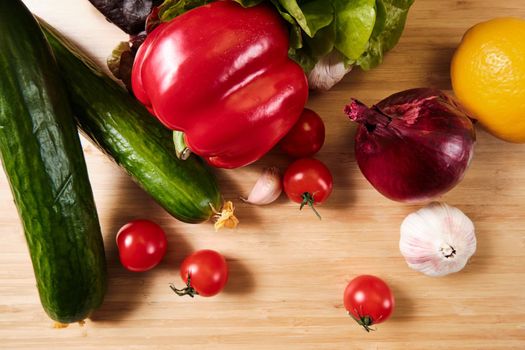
414 145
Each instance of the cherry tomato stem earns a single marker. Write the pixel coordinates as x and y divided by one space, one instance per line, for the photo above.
188 290
308 199
364 321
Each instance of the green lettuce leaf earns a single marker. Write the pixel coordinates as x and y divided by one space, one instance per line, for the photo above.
120 63
354 22
319 14
390 22
249 3
323 42
173 8
314 48
304 58
296 37
292 7
310 15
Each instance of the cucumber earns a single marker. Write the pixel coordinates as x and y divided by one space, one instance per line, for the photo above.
43 160
133 138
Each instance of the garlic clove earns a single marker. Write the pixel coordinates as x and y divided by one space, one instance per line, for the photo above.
267 188
437 240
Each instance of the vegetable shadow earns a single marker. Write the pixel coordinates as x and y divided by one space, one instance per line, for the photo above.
126 289
338 155
437 73
404 307
240 280
481 263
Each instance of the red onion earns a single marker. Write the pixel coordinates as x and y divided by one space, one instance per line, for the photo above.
414 145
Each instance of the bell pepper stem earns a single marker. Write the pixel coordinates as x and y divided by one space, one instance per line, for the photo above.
181 149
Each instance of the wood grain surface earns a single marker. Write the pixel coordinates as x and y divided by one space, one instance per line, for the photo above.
288 269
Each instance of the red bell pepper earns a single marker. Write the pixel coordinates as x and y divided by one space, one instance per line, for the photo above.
220 73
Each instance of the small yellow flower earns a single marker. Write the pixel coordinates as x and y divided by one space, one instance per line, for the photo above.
226 217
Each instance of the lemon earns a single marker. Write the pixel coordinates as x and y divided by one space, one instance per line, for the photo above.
488 76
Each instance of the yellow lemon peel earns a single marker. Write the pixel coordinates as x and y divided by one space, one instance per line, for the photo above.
488 76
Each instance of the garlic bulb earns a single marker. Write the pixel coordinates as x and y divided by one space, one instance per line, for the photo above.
328 71
267 188
437 240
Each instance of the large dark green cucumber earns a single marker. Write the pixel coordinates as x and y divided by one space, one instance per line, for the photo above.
42 157
125 130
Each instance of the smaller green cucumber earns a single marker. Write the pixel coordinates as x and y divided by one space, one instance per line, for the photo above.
133 138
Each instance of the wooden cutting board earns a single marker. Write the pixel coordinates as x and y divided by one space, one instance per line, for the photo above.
288 269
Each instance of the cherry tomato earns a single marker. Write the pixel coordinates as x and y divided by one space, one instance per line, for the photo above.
369 300
205 273
308 181
306 137
141 245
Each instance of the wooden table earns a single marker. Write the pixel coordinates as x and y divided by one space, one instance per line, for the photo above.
288 269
